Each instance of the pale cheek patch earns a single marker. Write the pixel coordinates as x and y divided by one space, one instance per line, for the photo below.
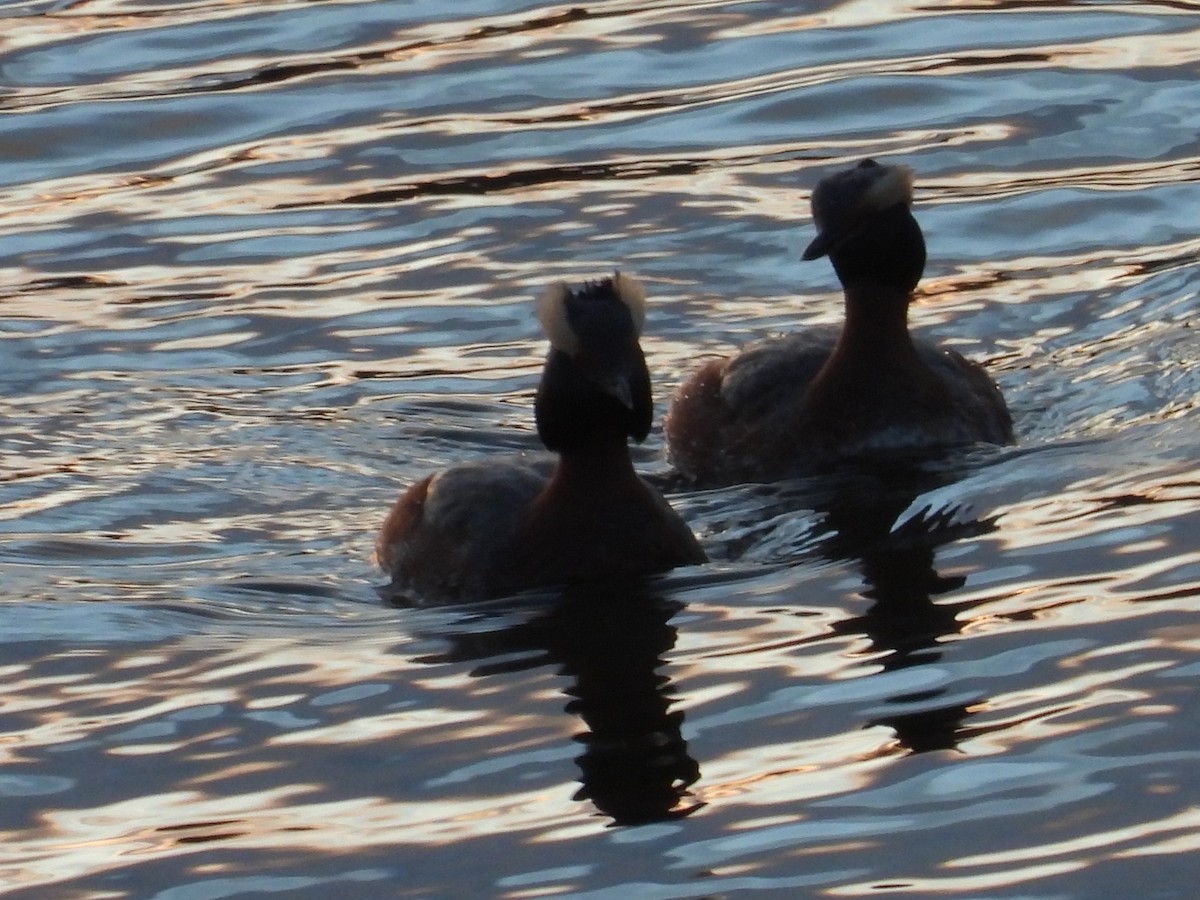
633 295
551 309
552 314
895 186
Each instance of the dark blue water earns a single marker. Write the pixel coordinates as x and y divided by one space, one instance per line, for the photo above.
267 263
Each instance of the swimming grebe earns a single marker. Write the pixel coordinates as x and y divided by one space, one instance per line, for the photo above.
807 401
491 528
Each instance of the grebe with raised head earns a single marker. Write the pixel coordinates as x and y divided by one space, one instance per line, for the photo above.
496 527
808 401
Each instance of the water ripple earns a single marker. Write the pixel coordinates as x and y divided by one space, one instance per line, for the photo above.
269 262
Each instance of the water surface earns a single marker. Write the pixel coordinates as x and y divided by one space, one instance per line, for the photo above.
267 263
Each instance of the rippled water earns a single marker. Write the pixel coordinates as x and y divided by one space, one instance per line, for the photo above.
268 262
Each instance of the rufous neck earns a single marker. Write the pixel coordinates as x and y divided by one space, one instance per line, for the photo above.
876 322
597 464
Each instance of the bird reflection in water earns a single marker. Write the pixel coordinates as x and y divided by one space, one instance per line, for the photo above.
610 641
905 624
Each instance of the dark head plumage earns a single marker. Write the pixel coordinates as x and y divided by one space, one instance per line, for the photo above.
595 382
865 225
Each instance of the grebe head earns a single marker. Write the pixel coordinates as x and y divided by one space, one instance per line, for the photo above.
595 382
865 225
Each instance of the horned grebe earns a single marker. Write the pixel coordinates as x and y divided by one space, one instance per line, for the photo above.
496 527
807 401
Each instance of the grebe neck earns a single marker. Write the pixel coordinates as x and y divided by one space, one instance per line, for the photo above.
876 325
595 465
874 364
